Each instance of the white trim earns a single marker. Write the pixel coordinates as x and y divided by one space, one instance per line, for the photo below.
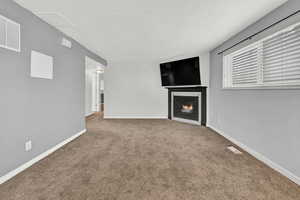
260 157
38 158
282 87
135 117
89 114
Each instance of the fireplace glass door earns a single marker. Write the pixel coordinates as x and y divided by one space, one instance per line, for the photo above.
186 107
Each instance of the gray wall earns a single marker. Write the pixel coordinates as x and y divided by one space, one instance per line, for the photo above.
44 111
267 121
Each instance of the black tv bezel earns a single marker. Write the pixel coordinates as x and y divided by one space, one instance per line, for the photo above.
174 86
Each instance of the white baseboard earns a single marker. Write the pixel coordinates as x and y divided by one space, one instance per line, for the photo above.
135 117
260 157
38 158
89 114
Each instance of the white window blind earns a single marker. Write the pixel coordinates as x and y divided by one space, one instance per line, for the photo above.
245 67
9 34
272 61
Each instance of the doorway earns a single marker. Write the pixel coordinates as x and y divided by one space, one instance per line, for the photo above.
94 87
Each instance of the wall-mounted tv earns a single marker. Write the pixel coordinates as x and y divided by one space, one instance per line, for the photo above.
181 73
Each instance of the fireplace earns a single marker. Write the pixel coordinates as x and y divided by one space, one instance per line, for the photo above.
187 104
186 107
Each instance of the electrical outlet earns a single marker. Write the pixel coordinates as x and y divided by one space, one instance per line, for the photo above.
28 145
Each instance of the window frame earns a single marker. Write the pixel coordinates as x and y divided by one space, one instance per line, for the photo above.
227 82
6 36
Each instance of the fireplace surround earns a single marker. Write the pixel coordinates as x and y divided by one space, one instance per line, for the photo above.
187 104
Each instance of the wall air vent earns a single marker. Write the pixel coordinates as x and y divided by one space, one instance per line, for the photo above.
67 43
10 37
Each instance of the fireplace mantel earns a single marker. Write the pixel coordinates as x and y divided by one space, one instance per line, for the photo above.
202 90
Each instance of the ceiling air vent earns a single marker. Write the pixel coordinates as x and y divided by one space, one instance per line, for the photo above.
9 34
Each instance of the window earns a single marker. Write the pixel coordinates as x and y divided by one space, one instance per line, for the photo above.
271 62
9 34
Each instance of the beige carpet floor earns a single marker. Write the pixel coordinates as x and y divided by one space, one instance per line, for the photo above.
148 160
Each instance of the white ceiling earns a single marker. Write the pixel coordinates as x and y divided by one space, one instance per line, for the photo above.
150 30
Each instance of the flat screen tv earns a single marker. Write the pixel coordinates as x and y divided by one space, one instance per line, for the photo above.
181 73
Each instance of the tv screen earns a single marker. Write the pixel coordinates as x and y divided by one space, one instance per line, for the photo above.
181 73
